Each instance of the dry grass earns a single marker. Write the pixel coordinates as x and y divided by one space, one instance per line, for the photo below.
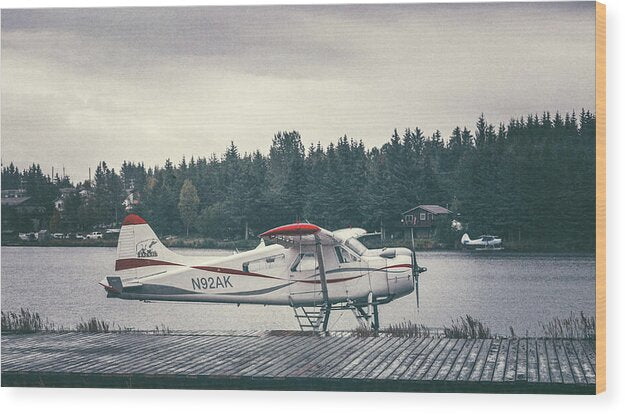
93 325
26 321
364 332
572 327
23 321
467 327
408 329
160 330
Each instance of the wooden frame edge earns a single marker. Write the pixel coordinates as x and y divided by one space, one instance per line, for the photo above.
600 202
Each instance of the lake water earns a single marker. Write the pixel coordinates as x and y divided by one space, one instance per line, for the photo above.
501 289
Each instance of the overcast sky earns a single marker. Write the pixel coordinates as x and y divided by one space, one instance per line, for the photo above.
84 85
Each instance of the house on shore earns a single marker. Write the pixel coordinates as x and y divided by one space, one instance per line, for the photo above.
59 203
20 213
420 221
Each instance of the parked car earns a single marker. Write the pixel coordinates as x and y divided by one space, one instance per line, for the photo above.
80 236
94 235
27 236
57 235
111 233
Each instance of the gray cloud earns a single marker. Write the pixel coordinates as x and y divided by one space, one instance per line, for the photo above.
80 85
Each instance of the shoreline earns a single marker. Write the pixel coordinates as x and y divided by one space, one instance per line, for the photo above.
251 244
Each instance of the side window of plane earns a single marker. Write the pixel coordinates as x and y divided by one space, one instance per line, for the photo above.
304 262
344 256
264 263
339 255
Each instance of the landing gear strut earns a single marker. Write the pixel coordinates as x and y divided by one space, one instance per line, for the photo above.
316 318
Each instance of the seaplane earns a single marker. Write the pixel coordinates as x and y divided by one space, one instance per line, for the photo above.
483 243
301 265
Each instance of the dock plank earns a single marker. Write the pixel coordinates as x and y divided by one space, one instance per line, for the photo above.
271 355
502 360
374 363
356 361
401 358
265 357
293 358
458 364
589 373
238 354
544 373
390 358
576 368
552 360
370 359
409 360
443 348
469 364
480 362
563 361
447 363
511 360
532 361
521 360
339 355
303 363
589 348
344 356
491 361
419 359
450 360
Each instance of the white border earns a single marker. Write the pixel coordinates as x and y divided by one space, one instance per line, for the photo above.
95 401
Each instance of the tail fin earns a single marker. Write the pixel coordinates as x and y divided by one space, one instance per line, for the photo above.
465 238
139 249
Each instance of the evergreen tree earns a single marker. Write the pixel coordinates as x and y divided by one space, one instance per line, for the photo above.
530 179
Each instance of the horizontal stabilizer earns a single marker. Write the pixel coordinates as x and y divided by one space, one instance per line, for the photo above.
115 283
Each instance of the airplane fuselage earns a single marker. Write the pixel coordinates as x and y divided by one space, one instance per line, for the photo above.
268 275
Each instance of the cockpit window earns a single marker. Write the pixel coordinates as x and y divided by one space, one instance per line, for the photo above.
339 254
304 262
344 256
356 246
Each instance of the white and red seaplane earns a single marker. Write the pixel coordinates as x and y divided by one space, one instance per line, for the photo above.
300 265
485 242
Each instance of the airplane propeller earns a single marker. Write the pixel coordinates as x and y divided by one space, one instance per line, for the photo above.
416 270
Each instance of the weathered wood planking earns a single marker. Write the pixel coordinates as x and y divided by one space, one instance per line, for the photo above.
283 360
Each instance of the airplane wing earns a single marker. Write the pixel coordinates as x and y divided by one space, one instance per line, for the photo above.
345 234
299 234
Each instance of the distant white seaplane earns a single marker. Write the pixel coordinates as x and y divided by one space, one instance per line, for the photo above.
483 243
300 265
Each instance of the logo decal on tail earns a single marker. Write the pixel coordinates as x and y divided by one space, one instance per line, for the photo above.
144 248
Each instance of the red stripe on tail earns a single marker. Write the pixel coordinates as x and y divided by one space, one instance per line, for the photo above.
124 264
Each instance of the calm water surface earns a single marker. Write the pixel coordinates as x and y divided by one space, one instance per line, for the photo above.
502 290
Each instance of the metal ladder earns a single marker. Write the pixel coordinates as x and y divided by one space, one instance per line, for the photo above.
310 319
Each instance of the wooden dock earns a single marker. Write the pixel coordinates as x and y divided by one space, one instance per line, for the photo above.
295 361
